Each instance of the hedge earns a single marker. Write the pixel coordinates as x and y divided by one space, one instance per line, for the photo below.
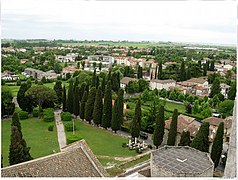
48 115
66 116
125 129
35 112
69 126
72 138
50 127
23 115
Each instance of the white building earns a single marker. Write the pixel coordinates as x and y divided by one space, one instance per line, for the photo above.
162 84
224 89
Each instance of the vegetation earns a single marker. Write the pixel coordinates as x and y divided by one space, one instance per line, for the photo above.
72 138
66 116
173 129
185 139
82 105
136 123
97 110
48 115
90 105
8 106
23 115
159 128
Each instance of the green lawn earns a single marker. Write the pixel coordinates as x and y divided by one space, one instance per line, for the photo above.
101 141
14 89
36 134
171 106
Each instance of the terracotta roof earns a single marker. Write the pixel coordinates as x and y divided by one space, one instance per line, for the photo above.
163 81
76 160
197 80
126 80
216 121
185 83
70 69
200 88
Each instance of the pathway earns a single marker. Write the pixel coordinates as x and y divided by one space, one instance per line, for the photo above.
60 129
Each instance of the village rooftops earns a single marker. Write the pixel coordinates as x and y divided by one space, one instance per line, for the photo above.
197 80
181 160
167 81
200 88
216 121
76 160
126 80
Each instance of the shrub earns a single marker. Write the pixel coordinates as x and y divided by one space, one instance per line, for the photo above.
50 127
48 115
125 129
72 138
66 116
149 146
123 145
35 112
23 115
138 150
69 126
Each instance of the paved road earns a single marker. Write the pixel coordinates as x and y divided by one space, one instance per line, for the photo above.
60 129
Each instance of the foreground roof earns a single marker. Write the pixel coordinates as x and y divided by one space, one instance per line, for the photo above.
76 160
181 159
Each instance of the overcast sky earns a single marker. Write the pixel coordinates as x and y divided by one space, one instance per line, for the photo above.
204 22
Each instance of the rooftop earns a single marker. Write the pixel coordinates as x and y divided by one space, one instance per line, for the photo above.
76 160
216 121
163 81
181 159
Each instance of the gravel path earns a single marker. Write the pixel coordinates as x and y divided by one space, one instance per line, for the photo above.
60 129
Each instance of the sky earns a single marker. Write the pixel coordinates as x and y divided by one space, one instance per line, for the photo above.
176 21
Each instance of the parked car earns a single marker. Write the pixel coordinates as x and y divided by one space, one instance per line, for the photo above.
143 135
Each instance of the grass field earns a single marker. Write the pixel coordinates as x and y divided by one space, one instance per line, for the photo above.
36 134
102 142
171 106
14 89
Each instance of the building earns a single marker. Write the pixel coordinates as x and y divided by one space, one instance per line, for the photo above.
224 89
70 70
214 123
162 84
9 77
106 61
200 91
75 160
180 161
38 74
70 57
199 82
124 81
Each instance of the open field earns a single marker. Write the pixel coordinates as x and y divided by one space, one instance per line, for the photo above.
14 89
36 134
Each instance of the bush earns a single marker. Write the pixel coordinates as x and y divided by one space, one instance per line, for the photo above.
48 115
50 127
69 126
149 146
35 112
138 150
123 145
125 129
72 138
23 115
66 116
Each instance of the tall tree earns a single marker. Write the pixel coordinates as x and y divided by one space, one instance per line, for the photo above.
204 67
217 145
185 139
215 89
97 110
120 104
116 122
90 104
70 99
18 151
136 123
83 64
16 122
201 141
160 70
24 102
188 73
182 72
59 90
107 106
212 66
40 94
94 78
232 92
158 134
81 90
8 106
173 129
156 69
64 99
76 104
82 105
103 85
115 81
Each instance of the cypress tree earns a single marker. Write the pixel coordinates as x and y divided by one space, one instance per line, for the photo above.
76 101
212 66
18 150
188 73
109 76
217 145
156 69
94 78
136 123
201 141
159 128
182 72
90 104
70 97
76 83
16 122
82 105
97 82
103 85
81 90
120 104
97 110
107 106
115 124
59 90
173 129
215 89
160 70
24 102
64 99
204 67
185 139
